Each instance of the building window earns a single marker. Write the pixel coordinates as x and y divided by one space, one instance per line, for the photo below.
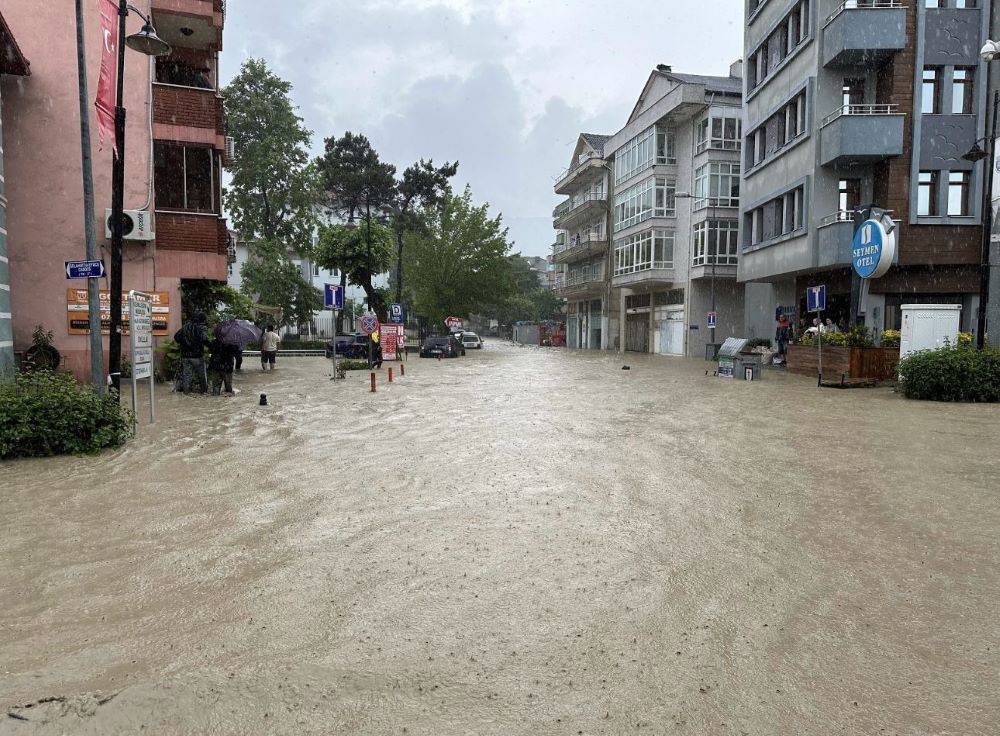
927 193
665 203
644 251
849 194
186 178
787 36
715 241
635 156
962 89
853 92
634 204
665 146
951 3
782 215
930 91
958 193
722 133
777 132
717 185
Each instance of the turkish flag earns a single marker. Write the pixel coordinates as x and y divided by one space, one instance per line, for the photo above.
108 82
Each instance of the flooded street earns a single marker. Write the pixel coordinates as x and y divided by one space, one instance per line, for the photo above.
522 541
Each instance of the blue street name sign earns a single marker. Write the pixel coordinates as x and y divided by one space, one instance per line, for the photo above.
84 269
396 314
816 298
333 296
713 319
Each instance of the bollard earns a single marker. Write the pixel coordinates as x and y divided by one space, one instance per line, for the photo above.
402 369
373 381
390 375
263 399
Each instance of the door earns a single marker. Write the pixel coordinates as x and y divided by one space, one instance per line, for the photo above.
672 337
637 333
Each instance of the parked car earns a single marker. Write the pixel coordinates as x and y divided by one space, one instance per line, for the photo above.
349 346
445 346
472 341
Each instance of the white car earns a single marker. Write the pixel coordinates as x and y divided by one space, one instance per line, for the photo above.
472 341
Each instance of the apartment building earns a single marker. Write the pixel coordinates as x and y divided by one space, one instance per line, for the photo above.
855 103
674 221
175 142
580 253
14 64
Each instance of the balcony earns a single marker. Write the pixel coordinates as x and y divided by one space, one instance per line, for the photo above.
579 247
582 283
577 210
193 24
585 172
188 115
862 32
860 135
650 273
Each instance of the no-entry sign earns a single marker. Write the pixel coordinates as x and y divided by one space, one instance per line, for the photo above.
369 323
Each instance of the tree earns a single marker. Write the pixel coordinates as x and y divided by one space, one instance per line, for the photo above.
360 253
459 265
357 181
271 277
218 302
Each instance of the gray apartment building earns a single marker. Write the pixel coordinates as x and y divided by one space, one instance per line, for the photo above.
855 103
12 62
648 237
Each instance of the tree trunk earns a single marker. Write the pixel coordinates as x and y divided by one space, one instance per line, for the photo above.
375 300
399 267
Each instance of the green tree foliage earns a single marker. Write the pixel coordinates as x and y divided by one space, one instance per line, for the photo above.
216 301
274 186
270 275
529 300
458 264
360 253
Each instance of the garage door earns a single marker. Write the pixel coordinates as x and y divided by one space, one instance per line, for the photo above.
637 333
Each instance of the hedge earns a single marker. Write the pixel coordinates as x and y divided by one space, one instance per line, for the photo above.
45 413
952 374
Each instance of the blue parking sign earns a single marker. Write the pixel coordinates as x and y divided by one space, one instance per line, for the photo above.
816 298
396 314
333 296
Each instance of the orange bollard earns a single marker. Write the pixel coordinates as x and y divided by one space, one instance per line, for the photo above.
390 375
402 369
373 381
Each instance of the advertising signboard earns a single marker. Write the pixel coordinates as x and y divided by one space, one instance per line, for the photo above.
393 338
140 319
78 313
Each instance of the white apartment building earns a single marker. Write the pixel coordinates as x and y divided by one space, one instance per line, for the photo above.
648 239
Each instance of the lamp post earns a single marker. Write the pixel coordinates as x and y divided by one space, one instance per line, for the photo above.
145 42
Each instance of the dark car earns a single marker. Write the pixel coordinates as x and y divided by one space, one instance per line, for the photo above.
349 346
444 346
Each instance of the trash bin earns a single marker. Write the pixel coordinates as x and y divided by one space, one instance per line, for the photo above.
748 366
736 361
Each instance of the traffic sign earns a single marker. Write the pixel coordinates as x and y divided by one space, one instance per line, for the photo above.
713 319
396 314
85 269
333 296
369 323
816 298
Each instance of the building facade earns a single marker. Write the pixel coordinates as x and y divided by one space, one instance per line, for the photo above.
648 237
175 142
855 103
12 63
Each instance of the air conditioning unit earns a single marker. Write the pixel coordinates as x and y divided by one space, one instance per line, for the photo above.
136 225
229 154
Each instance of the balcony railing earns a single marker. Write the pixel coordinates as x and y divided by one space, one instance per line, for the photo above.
562 208
584 276
855 4
581 163
860 110
191 107
723 259
643 266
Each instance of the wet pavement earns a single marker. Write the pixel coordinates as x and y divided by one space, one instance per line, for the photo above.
522 541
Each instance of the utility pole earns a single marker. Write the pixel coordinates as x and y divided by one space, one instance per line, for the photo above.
117 205
90 236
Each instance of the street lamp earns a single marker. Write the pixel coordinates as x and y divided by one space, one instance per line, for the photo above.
145 42
990 51
979 153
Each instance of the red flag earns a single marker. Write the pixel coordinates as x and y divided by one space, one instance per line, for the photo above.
108 82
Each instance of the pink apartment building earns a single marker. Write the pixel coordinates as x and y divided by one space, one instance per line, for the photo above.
175 142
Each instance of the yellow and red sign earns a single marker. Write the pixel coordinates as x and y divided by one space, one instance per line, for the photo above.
78 312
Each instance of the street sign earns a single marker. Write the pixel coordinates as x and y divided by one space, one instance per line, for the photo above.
333 296
140 320
713 319
454 323
396 314
369 323
816 298
874 248
85 269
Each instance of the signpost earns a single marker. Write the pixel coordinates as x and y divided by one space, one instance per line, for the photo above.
393 341
140 320
370 327
816 302
396 314
333 298
85 269
713 319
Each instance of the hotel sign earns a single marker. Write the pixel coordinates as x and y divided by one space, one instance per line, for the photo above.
78 313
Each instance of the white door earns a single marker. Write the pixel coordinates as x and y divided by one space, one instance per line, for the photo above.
672 337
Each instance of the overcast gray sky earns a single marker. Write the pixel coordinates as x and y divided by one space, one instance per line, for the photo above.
502 86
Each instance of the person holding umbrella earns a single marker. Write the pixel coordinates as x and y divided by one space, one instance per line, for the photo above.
231 337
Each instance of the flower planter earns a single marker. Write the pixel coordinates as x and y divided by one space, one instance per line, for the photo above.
880 364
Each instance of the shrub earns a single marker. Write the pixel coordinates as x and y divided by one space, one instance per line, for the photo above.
891 338
170 356
45 413
952 374
353 365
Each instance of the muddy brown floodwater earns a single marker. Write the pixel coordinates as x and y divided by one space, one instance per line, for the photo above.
522 541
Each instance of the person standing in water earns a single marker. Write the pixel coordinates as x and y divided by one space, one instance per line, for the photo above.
269 348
